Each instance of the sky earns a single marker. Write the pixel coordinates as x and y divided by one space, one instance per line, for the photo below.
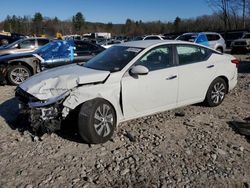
115 11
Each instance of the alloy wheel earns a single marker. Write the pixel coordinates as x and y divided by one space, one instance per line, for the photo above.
19 74
218 92
103 120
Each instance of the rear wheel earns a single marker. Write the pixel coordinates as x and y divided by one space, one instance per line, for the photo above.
17 74
216 92
96 121
220 49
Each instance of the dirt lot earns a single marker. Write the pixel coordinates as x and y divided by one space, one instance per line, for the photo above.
194 146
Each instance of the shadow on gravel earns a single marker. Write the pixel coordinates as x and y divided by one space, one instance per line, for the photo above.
241 127
10 113
244 67
69 129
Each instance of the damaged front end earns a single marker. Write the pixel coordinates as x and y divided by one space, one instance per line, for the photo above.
42 115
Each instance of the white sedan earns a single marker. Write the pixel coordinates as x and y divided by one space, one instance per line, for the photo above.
127 81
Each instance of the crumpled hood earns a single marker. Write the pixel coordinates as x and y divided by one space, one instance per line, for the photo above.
56 81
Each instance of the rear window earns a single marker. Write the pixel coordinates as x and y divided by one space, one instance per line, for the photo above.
213 37
188 37
152 38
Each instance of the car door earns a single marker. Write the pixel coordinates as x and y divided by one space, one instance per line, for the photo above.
82 52
195 71
156 91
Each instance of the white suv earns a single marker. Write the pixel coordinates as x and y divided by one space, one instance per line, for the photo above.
210 39
216 41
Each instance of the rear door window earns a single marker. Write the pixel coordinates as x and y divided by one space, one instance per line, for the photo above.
192 54
212 37
27 44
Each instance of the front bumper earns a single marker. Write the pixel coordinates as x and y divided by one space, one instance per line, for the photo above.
241 49
45 116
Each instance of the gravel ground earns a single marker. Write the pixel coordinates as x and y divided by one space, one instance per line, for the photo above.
194 146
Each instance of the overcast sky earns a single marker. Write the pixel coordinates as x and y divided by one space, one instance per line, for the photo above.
115 11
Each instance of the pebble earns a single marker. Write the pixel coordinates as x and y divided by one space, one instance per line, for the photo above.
125 171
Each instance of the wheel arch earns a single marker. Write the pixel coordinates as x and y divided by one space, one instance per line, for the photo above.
226 80
78 106
110 103
222 77
31 69
220 47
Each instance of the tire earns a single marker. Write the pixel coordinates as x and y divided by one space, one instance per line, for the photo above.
220 49
17 74
94 127
216 92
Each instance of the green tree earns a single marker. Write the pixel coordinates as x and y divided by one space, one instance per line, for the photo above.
7 24
177 23
38 23
78 21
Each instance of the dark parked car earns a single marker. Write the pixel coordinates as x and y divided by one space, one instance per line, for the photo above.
241 45
230 36
18 67
7 39
23 45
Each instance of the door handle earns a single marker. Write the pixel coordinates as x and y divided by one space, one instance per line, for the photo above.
171 77
210 66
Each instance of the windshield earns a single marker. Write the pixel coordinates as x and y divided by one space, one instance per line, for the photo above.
113 59
14 43
188 37
247 36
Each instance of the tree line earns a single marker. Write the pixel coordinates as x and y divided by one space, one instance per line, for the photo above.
228 15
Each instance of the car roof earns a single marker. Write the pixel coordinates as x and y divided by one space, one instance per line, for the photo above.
148 43
213 33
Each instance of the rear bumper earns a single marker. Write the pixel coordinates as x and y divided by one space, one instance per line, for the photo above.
233 81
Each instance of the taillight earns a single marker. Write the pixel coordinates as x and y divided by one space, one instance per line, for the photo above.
236 62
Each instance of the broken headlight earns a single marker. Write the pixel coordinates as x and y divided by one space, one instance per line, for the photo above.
49 101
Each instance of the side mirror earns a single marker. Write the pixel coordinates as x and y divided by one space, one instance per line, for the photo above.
139 70
16 46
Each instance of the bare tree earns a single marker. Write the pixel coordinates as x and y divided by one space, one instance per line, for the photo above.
221 6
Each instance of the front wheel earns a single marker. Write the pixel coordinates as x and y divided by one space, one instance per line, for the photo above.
17 74
216 92
96 121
